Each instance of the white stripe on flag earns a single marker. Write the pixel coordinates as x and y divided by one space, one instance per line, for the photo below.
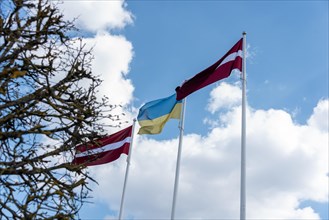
231 57
105 148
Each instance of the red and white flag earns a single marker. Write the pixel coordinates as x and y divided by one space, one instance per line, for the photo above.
219 70
104 150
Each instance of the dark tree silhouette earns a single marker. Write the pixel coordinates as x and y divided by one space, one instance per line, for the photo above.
48 105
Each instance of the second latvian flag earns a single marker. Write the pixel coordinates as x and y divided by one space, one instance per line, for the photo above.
232 60
104 150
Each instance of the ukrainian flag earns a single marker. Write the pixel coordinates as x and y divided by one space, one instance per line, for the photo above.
153 115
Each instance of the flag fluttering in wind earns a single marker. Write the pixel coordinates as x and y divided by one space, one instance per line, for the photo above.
104 150
153 115
219 70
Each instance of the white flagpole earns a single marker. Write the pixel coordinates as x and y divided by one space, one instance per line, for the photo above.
181 128
127 170
243 136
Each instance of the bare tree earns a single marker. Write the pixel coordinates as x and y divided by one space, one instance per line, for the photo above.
48 105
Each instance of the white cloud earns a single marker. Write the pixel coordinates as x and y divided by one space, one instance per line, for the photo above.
320 116
94 16
280 206
287 163
113 55
224 96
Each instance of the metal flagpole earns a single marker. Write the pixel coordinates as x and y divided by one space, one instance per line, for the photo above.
243 136
127 170
181 128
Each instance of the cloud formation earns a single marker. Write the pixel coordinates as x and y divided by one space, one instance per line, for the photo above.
94 16
112 53
319 119
224 96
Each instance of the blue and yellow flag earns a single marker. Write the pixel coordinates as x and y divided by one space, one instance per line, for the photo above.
153 115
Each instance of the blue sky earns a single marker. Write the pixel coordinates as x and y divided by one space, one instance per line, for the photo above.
145 49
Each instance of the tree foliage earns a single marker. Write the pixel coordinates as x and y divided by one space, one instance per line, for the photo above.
48 105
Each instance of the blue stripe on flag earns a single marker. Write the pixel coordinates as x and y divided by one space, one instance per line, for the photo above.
157 108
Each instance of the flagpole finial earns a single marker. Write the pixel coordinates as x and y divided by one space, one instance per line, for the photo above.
244 33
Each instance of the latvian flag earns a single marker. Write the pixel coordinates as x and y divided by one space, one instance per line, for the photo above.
219 70
104 150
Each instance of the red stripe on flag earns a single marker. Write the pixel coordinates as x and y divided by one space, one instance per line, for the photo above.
215 72
105 156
